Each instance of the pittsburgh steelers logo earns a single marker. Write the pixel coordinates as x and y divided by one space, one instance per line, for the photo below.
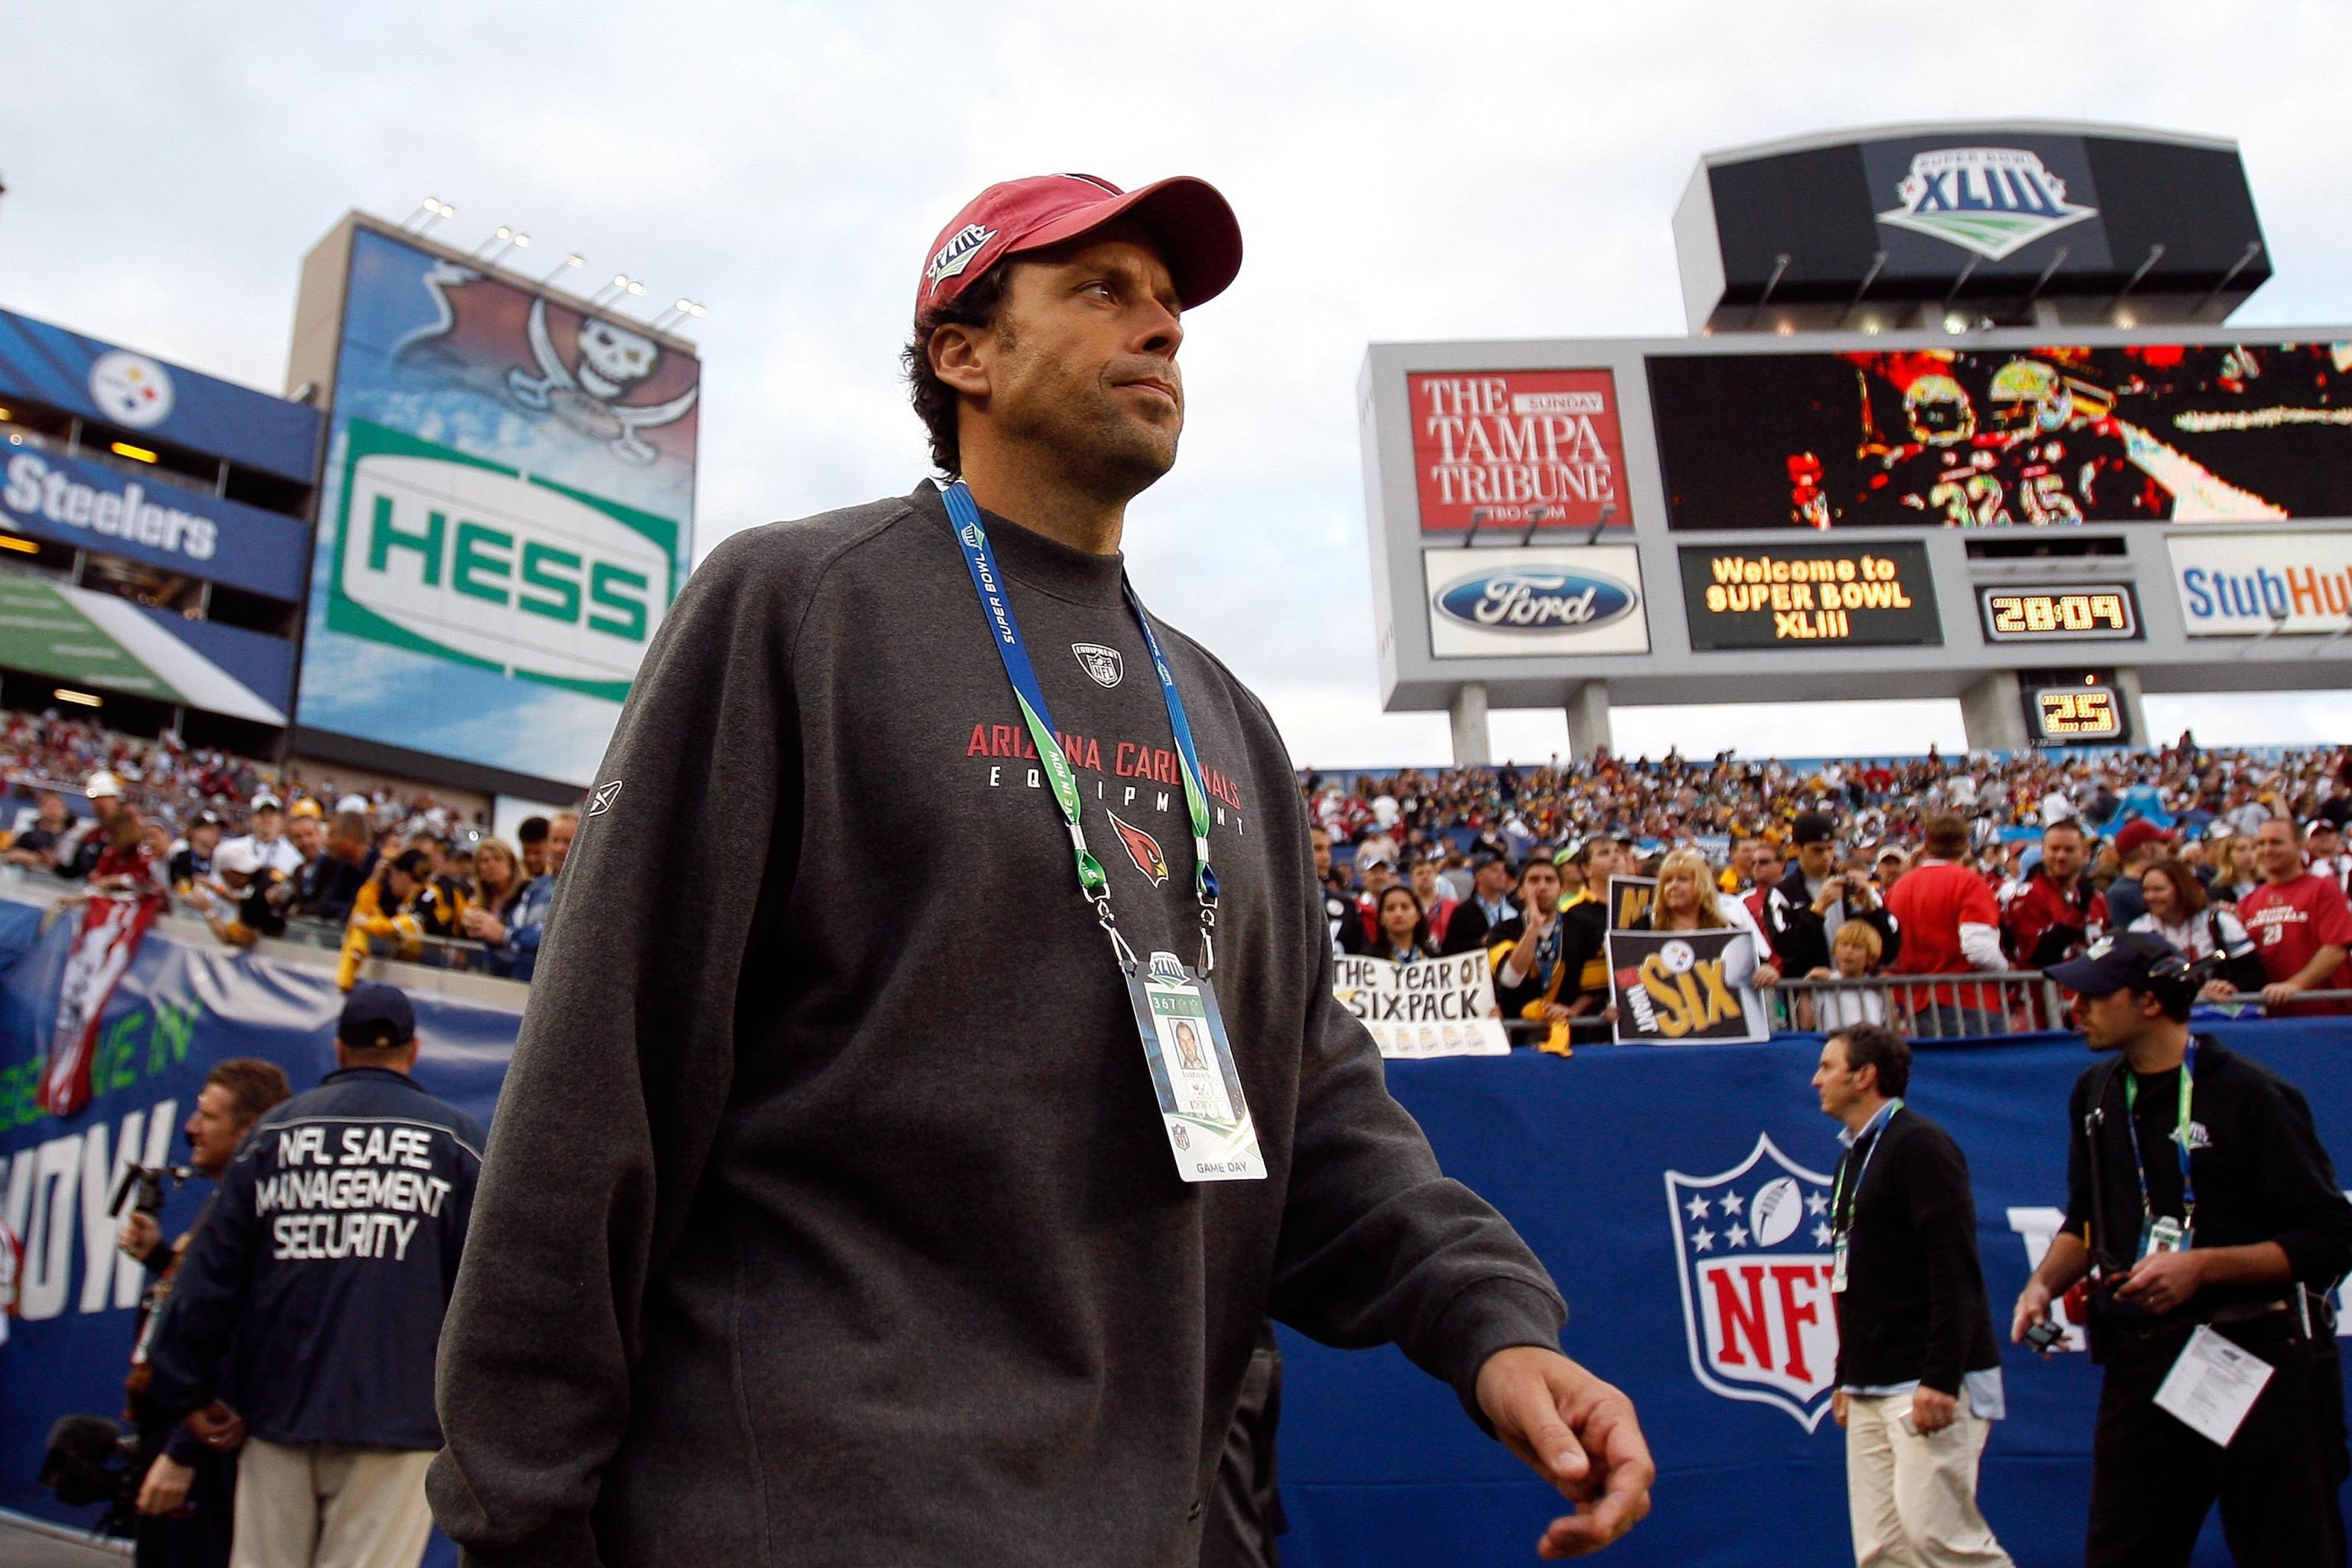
130 389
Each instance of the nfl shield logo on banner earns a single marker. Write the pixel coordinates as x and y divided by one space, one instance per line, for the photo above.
1752 1250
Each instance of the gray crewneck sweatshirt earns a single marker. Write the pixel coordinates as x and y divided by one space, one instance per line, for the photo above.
827 1218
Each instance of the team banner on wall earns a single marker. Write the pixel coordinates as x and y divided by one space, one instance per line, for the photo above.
1810 595
1543 601
1671 989
1431 1007
505 516
179 1009
1513 447
2248 583
85 506
2011 437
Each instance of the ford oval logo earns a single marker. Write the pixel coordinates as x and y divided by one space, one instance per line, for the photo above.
1536 600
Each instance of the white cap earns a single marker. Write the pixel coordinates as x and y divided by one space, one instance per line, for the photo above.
102 785
266 801
358 803
238 855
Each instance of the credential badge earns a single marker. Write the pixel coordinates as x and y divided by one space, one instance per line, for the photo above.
1101 663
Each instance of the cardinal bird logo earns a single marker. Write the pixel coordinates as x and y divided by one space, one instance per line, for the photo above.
1144 850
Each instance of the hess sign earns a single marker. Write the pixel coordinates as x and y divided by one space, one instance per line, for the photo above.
1810 595
2086 710
2095 612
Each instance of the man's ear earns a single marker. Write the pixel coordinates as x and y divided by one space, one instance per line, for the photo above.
960 355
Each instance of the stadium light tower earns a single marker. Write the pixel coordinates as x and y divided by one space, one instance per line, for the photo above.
566 265
430 211
505 237
619 285
683 309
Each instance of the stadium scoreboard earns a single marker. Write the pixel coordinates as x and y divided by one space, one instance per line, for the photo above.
1921 504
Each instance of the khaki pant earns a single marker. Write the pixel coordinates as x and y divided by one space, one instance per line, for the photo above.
317 1505
1914 1497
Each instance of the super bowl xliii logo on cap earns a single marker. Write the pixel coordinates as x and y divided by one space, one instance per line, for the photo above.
957 253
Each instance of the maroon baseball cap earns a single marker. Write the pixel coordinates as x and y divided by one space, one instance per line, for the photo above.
1186 217
2139 831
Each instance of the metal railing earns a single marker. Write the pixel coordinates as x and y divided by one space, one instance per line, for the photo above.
1989 1003
433 951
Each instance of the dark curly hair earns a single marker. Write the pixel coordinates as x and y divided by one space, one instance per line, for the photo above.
935 400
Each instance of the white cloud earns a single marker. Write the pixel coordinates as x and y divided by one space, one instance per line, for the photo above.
1477 170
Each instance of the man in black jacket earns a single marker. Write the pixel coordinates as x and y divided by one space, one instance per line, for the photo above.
2198 1196
312 1299
1804 909
818 1229
1918 1372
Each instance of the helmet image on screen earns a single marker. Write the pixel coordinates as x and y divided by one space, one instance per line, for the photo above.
1938 411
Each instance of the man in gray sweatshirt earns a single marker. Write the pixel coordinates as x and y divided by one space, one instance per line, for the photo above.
820 1227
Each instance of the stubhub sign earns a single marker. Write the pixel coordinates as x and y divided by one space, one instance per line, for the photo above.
448 555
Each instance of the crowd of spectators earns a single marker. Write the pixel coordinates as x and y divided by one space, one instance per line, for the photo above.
255 853
1852 870
1840 869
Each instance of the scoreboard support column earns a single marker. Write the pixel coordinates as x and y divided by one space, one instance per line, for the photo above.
1992 712
1467 711
2128 687
1588 720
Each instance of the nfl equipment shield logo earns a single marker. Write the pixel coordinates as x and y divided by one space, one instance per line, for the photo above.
1752 1250
1099 662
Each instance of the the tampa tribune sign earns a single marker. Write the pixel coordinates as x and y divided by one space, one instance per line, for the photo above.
445 554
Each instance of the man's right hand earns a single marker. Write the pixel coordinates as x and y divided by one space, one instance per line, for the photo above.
1837 1407
140 1234
2032 1307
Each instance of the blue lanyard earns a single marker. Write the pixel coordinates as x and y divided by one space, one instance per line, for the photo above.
989 582
2180 1137
1874 1131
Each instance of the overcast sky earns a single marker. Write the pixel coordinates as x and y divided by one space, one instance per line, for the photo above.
1400 173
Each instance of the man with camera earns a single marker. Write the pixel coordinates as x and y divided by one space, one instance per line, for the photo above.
312 1299
2208 1217
187 1485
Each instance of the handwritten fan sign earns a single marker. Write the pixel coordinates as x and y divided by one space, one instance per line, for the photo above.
1434 1007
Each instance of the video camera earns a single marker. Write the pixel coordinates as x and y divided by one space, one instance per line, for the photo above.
93 1460
144 1188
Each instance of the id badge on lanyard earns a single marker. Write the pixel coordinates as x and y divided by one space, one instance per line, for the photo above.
1201 1108
1840 1213
2163 1232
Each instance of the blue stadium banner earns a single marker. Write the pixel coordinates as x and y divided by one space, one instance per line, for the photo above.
131 391
88 506
1675 1194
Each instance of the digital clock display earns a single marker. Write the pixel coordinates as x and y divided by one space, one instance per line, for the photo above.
2086 710
2095 612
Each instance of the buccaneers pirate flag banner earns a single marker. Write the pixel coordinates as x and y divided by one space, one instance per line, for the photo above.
111 925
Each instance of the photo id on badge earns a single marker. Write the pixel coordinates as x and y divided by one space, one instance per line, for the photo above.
1201 1104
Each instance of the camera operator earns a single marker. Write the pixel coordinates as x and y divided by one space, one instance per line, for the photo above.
187 1488
2197 1194
316 1292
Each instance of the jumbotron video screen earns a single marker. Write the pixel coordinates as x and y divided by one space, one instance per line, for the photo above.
2002 438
